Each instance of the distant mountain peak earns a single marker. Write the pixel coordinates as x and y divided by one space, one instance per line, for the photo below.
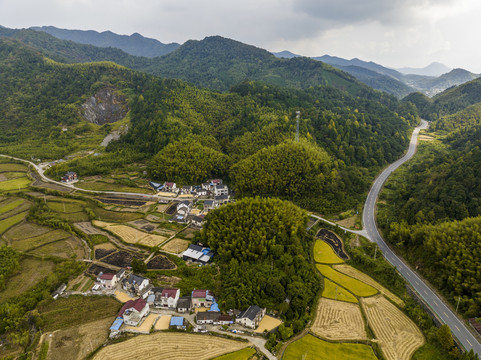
433 69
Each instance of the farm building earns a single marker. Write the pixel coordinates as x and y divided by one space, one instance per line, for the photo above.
69 177
184 304
177 322
251 317
156 186
107 280
226 320
197 253
208 317
59 291
135 284
167 298
115 328
202 298
134 311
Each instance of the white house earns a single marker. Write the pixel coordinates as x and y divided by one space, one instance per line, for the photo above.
221 190
251 317
135 284
168 298
134 311
170 186
107 280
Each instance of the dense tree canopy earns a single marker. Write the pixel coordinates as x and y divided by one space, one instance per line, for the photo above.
263 250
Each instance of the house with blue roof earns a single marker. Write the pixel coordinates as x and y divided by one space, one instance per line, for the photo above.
177 322
115 328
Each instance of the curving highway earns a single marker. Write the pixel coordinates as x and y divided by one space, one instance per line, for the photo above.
444 313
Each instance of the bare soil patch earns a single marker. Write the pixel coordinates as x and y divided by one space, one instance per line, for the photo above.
100 253
160 262
338 320
163 322
121 258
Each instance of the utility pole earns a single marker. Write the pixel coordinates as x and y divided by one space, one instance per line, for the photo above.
298 114
457 305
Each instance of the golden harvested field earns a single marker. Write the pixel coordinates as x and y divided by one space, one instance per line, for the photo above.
324 254
166 194
163 323
176 245
122 296
398 336
172 346
268 323
162 207
356 274
105 246
337 320
145 326
337 292
131 235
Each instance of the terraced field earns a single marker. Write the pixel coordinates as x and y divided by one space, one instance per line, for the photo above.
172 346
339 321
324 254
337 292
131 235
357 287
398 336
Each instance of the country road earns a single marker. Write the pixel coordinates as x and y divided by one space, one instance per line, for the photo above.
444 313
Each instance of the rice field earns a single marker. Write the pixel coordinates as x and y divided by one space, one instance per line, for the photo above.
324 254
268 323
311 348
176 245
15 184
338 321
337 292
169 345
7 223
130 235
356 287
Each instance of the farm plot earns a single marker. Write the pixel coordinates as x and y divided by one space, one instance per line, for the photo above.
244 354
30 272
121 258
10 205
25 230
176 246
311 348
66 248
335 242
174 346
268 323
323 253
160 262
37 241
357 287
144 327
9 167
131 235
337 320
15 184
337 292
398 336
103 252
163 322
77 342
356 274
7 223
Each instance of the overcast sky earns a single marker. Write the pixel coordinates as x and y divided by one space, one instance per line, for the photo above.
394 33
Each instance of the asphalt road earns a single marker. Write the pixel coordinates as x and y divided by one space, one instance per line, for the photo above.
458 328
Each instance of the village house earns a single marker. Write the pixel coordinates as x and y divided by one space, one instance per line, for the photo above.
134 311
170 187
214 182
167 298
221 199
120 274
183 207
107 280
205 186
135 284
221 190
186 190
69 177
208 317
251 317
198 254
200 191
115 328
156 186
184 304
197 220
202 298
226 320
210 204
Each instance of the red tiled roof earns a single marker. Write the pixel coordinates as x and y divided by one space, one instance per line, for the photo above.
199 293
225 318
138 305
169 293
169 184
107 276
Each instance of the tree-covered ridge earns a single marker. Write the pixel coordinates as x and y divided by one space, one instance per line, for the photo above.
448 255
9 262
469 117
263 251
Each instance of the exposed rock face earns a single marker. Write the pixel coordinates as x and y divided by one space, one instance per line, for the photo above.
106 106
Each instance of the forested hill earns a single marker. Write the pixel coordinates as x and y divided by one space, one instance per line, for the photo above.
348 138
452 100
134 44
216 63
